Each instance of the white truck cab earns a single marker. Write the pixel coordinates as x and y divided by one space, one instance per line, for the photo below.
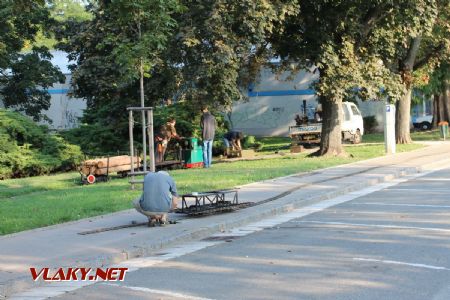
310 132
352 122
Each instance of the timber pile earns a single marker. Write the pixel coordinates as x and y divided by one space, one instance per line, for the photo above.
99 166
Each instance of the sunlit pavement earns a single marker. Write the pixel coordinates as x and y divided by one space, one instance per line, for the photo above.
390 244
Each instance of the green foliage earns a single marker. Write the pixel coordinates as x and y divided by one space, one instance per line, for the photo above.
27 149
249 141
370 124
436 83
109 50
61 11
220 46
25 76
194 51
371 45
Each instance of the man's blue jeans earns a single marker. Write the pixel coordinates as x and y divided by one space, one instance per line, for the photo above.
207 153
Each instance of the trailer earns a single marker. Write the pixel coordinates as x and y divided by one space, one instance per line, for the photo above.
99 169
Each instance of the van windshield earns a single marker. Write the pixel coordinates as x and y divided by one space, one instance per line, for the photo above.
355 111
346 113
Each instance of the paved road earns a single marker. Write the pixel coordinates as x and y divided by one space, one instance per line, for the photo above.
390 244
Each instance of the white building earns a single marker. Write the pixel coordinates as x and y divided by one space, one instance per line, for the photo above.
64 110
275 101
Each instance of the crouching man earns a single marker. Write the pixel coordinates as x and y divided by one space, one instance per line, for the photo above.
158 198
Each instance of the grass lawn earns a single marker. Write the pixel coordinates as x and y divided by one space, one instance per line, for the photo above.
417 136
45 200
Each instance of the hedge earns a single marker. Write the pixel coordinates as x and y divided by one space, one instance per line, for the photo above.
29 149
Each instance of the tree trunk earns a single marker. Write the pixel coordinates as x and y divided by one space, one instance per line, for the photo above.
403 115
446 100
435 110
403 112
441 108
331 141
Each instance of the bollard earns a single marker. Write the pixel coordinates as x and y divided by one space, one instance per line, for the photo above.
443 129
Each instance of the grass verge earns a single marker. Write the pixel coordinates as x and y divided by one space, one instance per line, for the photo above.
417 136
46 200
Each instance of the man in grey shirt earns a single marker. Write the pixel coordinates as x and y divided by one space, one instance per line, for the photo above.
208 126
158 198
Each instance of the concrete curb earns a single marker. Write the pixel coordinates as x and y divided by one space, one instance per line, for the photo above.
252 214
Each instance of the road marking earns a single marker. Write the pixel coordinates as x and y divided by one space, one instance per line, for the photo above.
401 204
162 292
435 179
376 225
393 262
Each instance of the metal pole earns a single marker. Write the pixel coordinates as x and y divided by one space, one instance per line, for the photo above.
389 129
144 141
130 129
144 136
151 139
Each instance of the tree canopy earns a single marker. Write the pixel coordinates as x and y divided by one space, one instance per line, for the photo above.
362 48
207 52
24 76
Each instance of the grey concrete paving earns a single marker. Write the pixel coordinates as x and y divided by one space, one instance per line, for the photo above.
339 253
62 246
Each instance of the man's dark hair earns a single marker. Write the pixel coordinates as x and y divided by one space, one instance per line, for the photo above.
170 119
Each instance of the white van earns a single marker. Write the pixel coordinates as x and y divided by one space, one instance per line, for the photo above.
310 133
352 123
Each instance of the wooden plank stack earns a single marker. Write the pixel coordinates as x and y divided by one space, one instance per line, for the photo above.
99 166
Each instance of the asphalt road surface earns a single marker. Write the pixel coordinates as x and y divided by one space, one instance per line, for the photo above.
390 244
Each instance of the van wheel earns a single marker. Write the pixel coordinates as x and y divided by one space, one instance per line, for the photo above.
425 125
357 137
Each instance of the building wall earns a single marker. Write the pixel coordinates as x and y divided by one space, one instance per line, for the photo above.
274 102
64 110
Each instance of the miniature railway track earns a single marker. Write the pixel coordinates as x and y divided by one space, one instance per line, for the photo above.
224 207
204 210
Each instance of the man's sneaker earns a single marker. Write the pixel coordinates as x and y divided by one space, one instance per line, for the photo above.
163 222
151 223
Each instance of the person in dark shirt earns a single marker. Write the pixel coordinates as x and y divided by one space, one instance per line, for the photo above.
233 139
208 126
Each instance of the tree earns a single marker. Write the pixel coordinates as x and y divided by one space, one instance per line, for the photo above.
436 85
331 37
356 47
215 48
116 51
60 11
424 44
221 46
24 77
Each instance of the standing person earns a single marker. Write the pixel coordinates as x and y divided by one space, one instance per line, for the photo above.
167 132
158 198
208 125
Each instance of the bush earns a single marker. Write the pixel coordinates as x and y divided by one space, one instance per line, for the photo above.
28 149
249 142
370 124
